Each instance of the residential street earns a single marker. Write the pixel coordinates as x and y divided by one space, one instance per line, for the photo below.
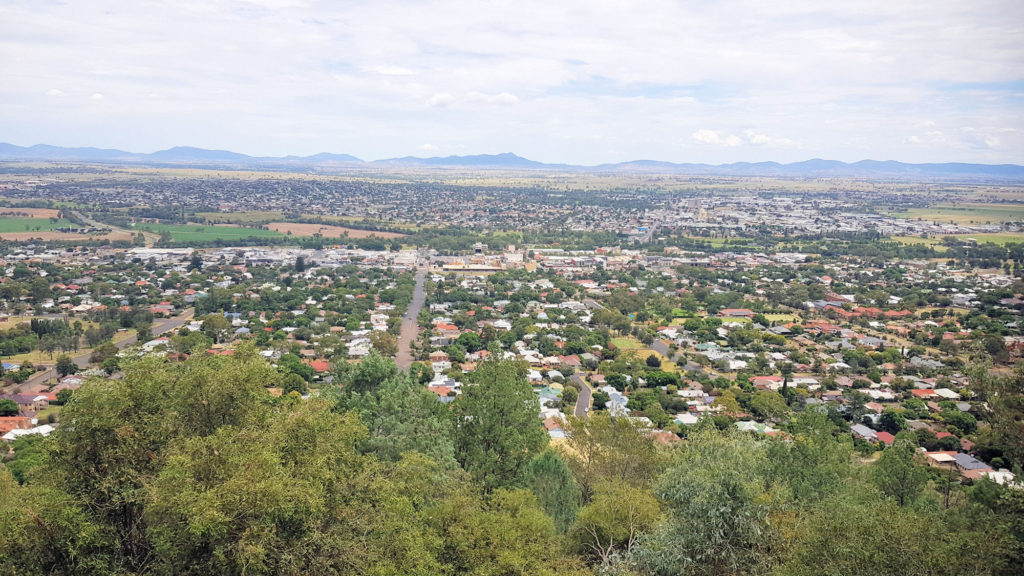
39 381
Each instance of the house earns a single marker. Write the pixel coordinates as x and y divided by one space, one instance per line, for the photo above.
28 403
554 427
8 423
773 383
44 430
885 438
736 313
970 466
686 419
874 407
862 431
319 366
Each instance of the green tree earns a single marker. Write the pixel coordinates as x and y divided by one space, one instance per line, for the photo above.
812 463
717 508
65 365
604 448
839 537
613 521
897 475
191 343
497 429
963 421
401 415
768 404
122 429
551 481
292 364
103 351
9 407
293 383
216 327
384 343
366 375
470 341
63 396
892 421
143 331
569 397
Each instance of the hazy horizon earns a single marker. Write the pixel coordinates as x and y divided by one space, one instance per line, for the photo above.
577 82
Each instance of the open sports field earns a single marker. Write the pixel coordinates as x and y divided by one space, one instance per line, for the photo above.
302 229
967 213
206 233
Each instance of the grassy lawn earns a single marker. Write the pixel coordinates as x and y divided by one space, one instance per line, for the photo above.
13 224
737 320
639 356
627 343
36 357
43 416
666 364
781 318
192 233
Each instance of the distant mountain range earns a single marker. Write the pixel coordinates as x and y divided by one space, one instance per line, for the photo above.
186 156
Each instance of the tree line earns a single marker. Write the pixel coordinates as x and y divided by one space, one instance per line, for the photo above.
194 468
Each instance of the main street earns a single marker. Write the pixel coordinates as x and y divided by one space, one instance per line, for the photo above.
410 323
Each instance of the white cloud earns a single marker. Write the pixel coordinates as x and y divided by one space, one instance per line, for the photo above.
97 96
705 136
389 70
765 140
54 92
441 99
427 147
846 79
444 99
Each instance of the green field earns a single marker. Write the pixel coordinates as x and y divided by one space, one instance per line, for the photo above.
966 213
191 233
11 224
936 241
627 343
785 318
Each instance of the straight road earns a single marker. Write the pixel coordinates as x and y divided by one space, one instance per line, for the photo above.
584 399
410 325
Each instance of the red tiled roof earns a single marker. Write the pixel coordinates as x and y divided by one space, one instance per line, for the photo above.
319 365
8 423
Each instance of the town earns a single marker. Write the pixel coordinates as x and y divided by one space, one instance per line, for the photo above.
662 313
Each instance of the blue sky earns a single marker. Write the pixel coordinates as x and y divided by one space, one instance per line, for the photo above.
582 82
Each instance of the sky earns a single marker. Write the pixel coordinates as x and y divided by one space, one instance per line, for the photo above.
581 82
